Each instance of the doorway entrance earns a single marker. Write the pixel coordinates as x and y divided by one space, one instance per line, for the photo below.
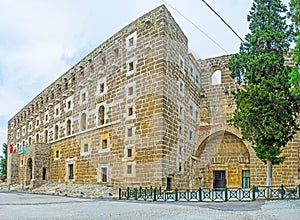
219 179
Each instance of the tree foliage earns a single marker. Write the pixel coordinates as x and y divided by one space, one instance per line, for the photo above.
3 160
266 105
294 75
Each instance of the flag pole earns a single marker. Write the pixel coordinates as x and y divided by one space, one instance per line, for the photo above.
22 170
10 155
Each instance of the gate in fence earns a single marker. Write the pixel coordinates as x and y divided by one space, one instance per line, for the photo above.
210 195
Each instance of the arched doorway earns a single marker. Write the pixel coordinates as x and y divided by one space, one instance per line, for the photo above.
224 161
29 171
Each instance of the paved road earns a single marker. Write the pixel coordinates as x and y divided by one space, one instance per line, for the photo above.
17 205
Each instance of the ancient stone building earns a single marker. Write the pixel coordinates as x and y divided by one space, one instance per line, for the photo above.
140 110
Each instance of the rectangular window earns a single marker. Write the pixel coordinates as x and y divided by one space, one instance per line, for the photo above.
246 179
179 167
86 148
191 71
169 180
180 110
83 97
219 179
131 66
57 154
130 111
101 87
69 105
131 41
129 132
129 169
180 130
104 174
104 143
180 150
130 91
197 79
71 171
129 152
181 87
181 64
104 60
190 135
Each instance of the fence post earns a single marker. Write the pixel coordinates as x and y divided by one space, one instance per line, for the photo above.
176 194
140 192
135 194
154 194
226 196
282 191
200 194
120 193
299 191
127 194
145 190
253 193
188 194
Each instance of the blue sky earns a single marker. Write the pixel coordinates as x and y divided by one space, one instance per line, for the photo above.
40 40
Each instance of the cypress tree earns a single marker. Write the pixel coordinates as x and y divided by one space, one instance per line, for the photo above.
266 104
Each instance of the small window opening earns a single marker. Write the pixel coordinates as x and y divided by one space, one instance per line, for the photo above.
104 143
129 169
86 148
129 152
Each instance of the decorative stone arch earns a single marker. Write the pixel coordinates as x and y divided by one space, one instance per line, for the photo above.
221 150
217 130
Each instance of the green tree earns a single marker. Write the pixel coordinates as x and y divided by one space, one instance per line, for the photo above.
266 106
3 161
295 16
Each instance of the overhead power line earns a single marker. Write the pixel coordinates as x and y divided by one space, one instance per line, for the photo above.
192 23
223 21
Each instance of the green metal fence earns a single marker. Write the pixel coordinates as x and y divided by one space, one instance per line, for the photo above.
210 195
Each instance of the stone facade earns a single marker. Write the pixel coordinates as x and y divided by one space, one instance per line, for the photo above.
139 110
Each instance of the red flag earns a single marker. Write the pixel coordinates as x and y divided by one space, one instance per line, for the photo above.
11 149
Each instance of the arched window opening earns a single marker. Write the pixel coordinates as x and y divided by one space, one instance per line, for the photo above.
68 127
216 78
101 115
56 132
83 121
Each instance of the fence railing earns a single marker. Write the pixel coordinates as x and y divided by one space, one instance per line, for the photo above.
210 195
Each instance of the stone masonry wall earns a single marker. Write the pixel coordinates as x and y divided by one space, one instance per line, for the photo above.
140 110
